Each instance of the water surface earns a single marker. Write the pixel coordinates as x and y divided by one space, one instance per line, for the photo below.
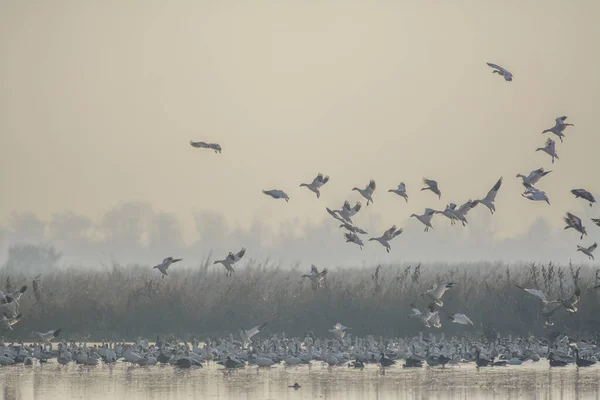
318 381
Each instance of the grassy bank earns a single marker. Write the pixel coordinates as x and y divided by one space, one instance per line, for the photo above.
127 302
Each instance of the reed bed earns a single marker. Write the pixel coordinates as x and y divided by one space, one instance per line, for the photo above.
127 302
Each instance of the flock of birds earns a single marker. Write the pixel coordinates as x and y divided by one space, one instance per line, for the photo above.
232 353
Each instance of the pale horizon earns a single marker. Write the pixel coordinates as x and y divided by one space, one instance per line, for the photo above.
99 103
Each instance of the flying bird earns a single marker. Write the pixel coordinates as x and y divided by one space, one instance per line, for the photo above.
437 290
540 295
353 238
204 145
462 319
277 194
584 194
423 316
535 195
346 213
570 304
462 211
596 221
352 228
489 198
48 336
316 277
501 71
574 222
433 186
550 149
316 184
588 250
367 192
400 191
559 127
387 236
339 330
425 218
449 213
230 260
533 177
247 335
162 267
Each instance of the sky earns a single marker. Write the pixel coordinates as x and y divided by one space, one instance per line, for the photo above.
99 101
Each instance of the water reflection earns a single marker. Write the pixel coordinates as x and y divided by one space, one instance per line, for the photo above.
52 381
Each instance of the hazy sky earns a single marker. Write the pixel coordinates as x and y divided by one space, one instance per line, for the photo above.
100 99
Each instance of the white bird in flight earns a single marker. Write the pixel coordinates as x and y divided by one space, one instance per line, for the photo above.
425 315
230 260
559 127
488 200
47 336
162 267
501 71
214 146
316 184
535 195
247 335
351 237
425 218
346 213
588 250
352 228
574 222
437 290
316 277
400 191
367 192
584 194
387 236
550 149
459 318
339 330
462 211
277 194
533 177
433 186
449 213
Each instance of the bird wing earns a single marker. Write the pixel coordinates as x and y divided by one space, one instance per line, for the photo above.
334 215
573 218
464 209
596 221
357 207
321 275
549 143
166 260
387 235
241 253
231 256
496 67
592 247
491 196
314 270
414 309
399 231
199 144
346 206
401 187
537 293
372 185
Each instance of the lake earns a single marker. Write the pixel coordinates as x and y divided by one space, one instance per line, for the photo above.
318 381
